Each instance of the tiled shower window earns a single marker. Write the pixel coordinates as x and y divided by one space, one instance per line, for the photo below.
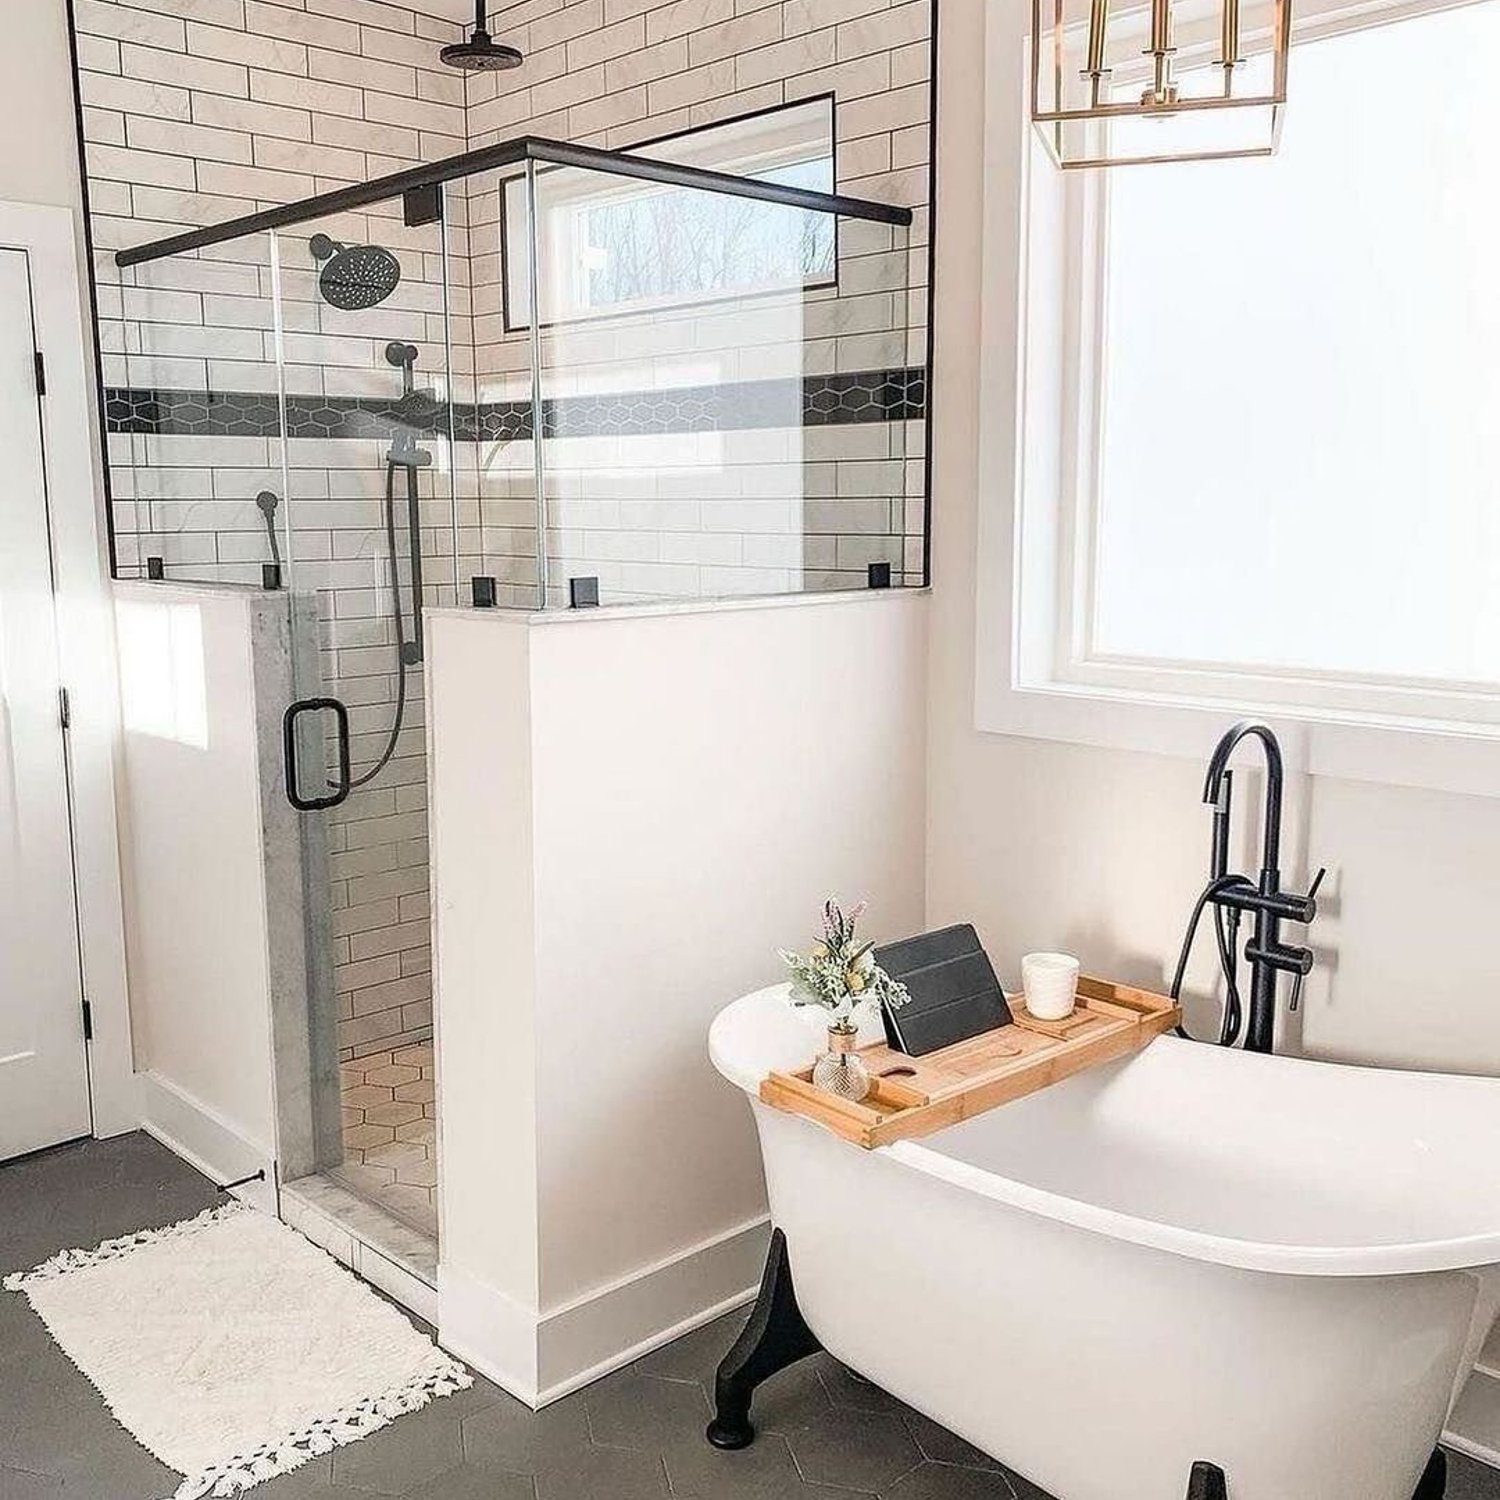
617 244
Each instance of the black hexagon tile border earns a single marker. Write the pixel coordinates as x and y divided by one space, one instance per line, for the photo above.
846 399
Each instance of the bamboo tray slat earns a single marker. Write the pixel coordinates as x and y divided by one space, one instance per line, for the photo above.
914 1096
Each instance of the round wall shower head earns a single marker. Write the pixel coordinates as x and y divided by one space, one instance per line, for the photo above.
354 277
481 53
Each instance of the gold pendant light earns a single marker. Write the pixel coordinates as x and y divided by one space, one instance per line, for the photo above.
1119 82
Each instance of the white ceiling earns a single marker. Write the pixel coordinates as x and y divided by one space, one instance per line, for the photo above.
459 10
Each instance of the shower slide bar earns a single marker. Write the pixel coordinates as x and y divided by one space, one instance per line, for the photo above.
509 154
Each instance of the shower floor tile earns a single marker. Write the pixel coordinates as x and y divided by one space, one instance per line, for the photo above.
636 1433
389 1104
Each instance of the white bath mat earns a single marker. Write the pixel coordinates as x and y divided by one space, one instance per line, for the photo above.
232 1348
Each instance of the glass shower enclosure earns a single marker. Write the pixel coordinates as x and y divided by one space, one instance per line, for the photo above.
537 376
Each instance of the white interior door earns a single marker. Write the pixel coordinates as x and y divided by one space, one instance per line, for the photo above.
44 1091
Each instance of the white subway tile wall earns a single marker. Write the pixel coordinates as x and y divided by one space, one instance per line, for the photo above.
198 111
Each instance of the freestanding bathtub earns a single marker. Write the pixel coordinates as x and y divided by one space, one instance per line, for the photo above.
1284 1268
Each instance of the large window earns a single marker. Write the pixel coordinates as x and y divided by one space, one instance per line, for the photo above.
1262 401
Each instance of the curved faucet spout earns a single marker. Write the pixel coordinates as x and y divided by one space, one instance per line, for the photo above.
1218 768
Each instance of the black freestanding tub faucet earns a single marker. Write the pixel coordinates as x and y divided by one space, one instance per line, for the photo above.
1267 955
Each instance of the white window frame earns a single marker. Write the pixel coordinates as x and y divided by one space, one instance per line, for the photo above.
770 141
1036 671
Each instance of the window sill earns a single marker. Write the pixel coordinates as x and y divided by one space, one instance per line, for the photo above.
1450 758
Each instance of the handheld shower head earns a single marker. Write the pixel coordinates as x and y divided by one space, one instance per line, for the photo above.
267 503
481 53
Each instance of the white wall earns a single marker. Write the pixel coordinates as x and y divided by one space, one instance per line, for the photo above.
699 782
40 163
196 904
1046 845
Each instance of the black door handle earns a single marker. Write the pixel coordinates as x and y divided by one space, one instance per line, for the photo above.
342 787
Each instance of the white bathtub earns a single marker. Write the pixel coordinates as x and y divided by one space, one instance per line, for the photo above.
1281 1267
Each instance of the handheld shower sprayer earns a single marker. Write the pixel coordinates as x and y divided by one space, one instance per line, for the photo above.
267 503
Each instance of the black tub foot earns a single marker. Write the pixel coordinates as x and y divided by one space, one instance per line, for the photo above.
774 1338
1207 1483
1434 1482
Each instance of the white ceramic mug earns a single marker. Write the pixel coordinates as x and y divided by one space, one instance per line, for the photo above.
1050 983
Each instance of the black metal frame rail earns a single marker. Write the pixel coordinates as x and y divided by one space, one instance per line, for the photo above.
511 154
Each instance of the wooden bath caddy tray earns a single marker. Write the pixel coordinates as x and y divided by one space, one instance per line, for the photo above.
913 1096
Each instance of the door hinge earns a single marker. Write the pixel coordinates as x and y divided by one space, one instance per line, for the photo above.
88 1022
64 708
41 373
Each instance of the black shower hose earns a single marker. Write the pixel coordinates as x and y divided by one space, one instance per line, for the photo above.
1227 943
400 623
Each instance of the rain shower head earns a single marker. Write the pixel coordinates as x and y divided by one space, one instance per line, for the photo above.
481 53
354 277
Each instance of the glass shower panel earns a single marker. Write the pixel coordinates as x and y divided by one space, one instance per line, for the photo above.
498 511
726 391
368 335
194 417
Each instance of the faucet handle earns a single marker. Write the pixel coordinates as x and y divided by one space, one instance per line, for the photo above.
1309 902
1304 960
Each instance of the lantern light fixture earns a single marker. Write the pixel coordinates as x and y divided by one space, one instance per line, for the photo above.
1122 82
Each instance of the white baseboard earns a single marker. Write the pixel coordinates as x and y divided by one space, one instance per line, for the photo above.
480 1325
205 1140
540 1357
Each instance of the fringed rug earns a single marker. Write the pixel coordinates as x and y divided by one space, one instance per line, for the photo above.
232 1348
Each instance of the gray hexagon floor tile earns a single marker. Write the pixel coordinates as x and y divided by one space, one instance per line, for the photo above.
791 1399
407 1453
1026 1490
606 1474
53 1422
631 1410
312 1478
942 1446
1468 1480
481 1396
763 1471
17 1484
90 1191
855 1449
510 1436
854 1392
475 1482
948 1482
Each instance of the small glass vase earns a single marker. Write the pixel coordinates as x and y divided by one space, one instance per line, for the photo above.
839 1070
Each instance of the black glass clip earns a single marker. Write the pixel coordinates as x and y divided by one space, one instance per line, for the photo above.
423 205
